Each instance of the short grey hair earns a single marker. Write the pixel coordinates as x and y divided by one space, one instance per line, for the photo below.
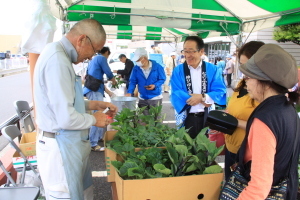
90 27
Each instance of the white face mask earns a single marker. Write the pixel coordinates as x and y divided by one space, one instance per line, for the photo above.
139 63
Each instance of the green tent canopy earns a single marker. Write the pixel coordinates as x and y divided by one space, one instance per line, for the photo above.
173 20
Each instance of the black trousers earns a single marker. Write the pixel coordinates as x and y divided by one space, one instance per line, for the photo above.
228 80
194 124
148 103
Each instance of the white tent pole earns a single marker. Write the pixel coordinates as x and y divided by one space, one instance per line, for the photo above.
144 15
230 36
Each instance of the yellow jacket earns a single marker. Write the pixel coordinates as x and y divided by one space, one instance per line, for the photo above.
241 108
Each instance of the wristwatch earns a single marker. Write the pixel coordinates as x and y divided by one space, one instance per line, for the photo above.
203 97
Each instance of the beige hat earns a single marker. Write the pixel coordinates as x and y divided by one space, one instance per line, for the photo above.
272 63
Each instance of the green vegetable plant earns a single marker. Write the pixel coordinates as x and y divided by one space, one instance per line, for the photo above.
139 130
118 82
182 156
192 156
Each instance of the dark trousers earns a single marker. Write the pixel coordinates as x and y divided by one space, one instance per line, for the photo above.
148 103
194 124
230 159
229 80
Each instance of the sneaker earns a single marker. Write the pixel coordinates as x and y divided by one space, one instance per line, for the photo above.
166 92
96 148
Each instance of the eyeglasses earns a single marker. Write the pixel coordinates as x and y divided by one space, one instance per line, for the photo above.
190 52
91 44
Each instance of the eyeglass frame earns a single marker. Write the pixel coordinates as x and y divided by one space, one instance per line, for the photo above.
190 52
91 44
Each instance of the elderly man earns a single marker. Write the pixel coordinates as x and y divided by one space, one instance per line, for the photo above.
62 147
196 85
170 65
127 70
149 76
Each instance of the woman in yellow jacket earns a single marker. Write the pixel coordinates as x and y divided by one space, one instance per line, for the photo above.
240 106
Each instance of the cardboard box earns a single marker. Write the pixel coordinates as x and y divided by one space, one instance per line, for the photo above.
28 144
110 156
205 187
18 161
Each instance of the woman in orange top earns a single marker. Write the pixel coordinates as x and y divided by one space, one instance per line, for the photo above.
240 106
272 128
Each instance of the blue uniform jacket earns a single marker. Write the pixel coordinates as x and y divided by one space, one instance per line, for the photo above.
156 77
216 88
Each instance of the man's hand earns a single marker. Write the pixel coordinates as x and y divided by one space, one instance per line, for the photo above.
102 119
112 109
100 105
194 100
128 95
113 81
115 71
150 87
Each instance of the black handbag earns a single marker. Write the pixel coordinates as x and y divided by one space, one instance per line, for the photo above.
221 121
92 83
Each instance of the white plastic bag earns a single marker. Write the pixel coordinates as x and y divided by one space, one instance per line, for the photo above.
39 27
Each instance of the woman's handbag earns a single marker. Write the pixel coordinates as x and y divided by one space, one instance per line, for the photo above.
236 184
92 83
221 121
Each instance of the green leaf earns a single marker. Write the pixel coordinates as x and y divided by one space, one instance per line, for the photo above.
128 147
213 169
181 149
117 164
162 169
218 151
135 172
191 168
172 154
127 165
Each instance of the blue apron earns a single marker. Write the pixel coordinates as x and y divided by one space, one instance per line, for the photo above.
75 149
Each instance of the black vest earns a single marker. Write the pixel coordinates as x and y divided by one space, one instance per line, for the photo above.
281 118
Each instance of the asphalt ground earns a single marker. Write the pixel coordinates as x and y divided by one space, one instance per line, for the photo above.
102 188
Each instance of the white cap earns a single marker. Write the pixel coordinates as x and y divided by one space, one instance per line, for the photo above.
139 52
173 54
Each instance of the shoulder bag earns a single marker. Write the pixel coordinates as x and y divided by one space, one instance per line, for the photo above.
92 83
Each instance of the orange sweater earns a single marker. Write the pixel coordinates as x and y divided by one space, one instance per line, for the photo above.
261 149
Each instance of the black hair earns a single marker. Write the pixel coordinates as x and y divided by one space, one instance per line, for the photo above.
122 56
197 39
293 97
104 50
248 49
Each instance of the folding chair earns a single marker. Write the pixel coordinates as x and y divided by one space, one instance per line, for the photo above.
10 133
15 192
23 111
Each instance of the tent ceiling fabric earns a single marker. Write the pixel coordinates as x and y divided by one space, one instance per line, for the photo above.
173 20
